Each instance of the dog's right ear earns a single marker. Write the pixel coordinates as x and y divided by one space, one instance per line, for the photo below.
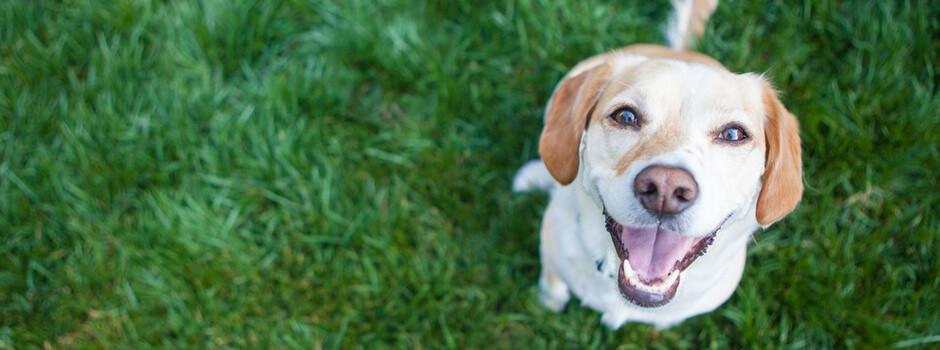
566 117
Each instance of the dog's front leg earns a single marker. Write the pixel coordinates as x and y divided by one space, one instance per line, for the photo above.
553 291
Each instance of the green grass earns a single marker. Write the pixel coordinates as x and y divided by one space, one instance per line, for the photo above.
320 174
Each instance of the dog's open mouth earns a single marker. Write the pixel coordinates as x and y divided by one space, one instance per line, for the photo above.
651 259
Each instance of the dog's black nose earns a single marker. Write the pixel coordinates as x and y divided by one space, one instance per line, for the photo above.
665 190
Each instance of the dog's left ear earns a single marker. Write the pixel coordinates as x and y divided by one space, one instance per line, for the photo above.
566 117
782 187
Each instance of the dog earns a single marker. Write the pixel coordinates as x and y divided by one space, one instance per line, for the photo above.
660 163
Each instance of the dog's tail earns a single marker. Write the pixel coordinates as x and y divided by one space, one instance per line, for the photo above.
533 175
687 22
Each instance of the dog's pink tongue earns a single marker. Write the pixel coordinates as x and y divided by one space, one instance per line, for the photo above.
653 251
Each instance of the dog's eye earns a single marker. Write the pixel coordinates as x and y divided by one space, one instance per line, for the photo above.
733 133
625 116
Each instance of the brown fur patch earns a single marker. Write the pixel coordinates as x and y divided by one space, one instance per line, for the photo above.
656 51
565 118
662 140
782 188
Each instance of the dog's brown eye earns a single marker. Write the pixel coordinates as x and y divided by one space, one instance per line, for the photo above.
733 133
625 116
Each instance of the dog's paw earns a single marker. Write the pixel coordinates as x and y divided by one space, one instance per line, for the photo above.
553 302
553 295
613 320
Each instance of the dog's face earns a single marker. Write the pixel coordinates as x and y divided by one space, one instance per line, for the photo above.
671 151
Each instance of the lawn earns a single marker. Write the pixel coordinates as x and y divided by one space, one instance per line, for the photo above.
336 173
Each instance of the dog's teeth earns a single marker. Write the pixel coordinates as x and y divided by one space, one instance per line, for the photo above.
671 278
661 287
628 271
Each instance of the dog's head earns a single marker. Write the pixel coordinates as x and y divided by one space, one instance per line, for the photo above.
671 150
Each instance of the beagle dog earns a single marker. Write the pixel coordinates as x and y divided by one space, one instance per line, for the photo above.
660 164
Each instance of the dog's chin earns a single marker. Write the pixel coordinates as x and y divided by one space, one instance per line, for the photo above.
652 258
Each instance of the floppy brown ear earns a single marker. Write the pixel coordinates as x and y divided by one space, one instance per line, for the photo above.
565 119
783 176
